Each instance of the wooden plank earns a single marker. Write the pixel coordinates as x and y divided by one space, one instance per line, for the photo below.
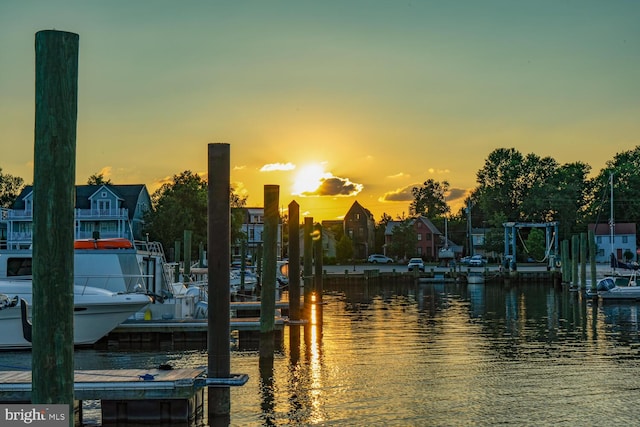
112 384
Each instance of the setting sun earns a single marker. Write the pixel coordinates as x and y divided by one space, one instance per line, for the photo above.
308 179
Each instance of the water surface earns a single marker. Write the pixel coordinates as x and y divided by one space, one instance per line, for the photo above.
432 355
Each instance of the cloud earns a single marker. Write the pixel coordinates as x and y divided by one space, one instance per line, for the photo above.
438 171
400 195
405 195
106 172
239 168
456 194
334 186
399 175
271 167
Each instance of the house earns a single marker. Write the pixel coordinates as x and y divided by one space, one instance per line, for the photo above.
328 242
624 240
359 226
253 228
103 211
429 240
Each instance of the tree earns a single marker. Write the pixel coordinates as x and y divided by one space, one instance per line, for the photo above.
182 205
403 239
625 168
10 187
97 179
380 229
535 245
429 199
344 249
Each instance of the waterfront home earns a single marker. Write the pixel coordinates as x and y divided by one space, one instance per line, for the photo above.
620 240
104 211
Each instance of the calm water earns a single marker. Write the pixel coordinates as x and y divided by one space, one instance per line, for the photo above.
433 355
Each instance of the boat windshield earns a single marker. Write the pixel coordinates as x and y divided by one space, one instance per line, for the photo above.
606 284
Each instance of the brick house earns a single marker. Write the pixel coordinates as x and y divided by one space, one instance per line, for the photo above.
359 226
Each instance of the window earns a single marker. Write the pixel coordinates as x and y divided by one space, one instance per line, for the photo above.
419 236
18 267
104 206
599 239
625 239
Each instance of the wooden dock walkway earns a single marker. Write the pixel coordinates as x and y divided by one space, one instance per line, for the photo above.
146 395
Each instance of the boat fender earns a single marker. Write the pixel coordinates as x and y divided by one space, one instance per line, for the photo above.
26 324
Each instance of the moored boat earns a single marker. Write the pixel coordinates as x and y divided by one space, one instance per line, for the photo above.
96 312
616 288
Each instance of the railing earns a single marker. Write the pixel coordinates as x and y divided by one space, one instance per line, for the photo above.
19 214
101 213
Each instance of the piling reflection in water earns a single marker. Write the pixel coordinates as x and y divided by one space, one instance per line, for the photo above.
435 354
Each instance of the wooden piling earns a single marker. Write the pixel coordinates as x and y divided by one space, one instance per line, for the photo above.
307 270
318 258
268 290
592 259
294 261
583 260
56 111
218 261
177 255
565 264
186 268
575 257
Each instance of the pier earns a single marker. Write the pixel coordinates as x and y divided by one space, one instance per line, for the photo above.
192 333
141 395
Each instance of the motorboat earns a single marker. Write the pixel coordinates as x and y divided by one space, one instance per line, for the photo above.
96 312
616 288
475 277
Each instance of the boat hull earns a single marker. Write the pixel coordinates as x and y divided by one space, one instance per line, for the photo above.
96 313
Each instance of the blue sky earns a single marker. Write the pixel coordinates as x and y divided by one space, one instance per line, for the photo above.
367 98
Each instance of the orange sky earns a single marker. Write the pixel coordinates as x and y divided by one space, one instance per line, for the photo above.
363 98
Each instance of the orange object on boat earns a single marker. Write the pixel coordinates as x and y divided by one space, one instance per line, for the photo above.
116 243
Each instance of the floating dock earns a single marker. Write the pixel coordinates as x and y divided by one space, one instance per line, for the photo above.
140 395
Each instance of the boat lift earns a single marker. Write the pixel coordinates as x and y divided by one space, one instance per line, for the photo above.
511 229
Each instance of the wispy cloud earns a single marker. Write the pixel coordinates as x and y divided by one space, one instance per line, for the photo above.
272 167
399 175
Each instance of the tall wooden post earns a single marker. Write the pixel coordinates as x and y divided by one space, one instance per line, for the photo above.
583 260
308 264
294 261
186 268
177 255
575 256
592 259
268 290
56 114
319 253
566 261
218 261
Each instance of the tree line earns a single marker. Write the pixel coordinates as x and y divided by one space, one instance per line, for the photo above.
511 186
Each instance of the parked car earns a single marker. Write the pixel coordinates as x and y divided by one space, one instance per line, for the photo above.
415 263
477 261
377 258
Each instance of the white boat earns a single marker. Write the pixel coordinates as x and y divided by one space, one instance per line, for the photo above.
616 288
475 277
139 267
96 312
